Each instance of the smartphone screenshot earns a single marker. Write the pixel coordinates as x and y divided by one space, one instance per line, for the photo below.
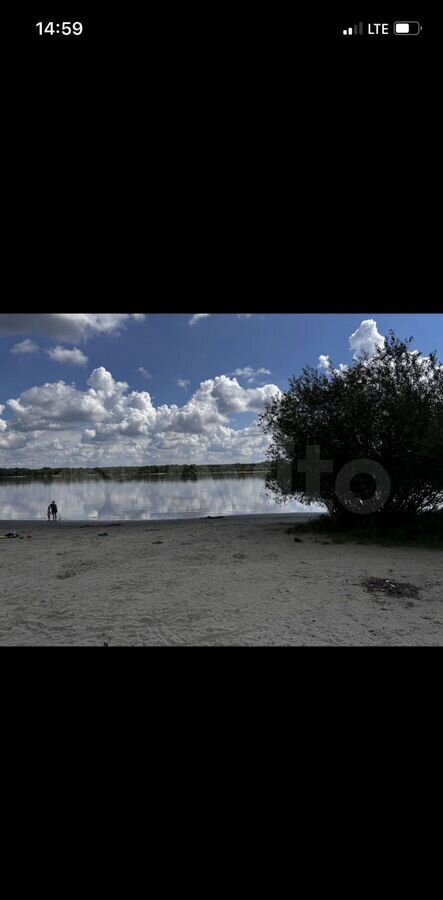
266 478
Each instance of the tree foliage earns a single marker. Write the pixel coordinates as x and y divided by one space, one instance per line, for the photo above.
387 408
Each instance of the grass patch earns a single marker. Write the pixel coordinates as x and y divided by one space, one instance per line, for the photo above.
425 530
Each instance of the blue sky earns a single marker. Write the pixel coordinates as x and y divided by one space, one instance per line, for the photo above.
118 388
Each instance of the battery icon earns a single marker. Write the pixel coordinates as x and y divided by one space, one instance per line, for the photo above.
407 27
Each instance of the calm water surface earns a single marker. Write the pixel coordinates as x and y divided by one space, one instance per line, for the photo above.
147 498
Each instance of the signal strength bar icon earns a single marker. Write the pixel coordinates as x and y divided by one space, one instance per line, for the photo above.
354 29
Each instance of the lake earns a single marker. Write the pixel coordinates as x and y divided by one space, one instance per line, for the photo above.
94 498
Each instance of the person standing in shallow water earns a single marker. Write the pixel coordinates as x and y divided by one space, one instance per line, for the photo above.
54 510
49 513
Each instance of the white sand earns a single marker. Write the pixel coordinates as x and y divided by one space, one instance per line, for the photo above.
232 581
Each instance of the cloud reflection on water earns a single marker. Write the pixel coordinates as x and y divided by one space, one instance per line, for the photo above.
149 498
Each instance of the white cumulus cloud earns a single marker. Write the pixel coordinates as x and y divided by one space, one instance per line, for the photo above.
144 373
366 339
72 357
25 347
197 318
107 423
69 327
250 373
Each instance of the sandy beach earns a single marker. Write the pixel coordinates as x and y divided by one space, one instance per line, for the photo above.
230 581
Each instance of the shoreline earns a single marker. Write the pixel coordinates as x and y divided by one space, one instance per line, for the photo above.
231 581
99 523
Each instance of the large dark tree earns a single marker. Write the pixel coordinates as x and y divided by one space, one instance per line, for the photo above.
387 409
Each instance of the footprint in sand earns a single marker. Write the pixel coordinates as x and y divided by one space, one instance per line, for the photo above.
68 573
82 566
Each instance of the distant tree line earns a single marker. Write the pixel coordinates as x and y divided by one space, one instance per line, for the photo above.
111 472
